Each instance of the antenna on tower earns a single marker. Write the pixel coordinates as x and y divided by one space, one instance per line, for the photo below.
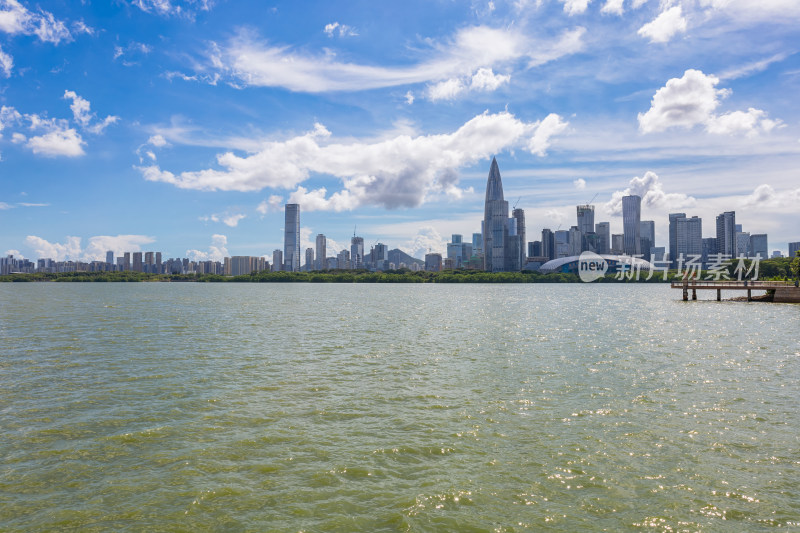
354 230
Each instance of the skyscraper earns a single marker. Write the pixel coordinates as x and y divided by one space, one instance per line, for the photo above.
631 217
726 233
689 234
519 216
322 253
647 233
291 238
585 219
277 260
548 244
357 252
759 245
603 230
673 237
495 225
110 257
309 259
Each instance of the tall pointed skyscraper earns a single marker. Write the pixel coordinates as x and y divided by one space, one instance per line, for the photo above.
495 223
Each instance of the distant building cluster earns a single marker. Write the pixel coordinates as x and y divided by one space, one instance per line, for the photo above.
500 246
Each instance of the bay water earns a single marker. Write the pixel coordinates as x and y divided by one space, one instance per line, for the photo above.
306 407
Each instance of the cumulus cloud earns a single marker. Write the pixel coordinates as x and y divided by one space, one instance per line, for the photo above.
71 249
157 140
343 30
57 142
766 196
8 117
613 6
6 63
665 26
272 204
218 250
483 80
399 171
254 63
579 184
575 7
16 18
409 98
693 99
229 219
81 111
651 191
426 240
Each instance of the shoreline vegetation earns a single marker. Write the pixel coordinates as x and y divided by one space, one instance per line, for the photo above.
779 268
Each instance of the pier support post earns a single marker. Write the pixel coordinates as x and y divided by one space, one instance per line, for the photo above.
719 295
749 295
694 294
685 294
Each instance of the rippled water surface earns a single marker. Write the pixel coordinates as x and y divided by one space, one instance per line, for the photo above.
286 407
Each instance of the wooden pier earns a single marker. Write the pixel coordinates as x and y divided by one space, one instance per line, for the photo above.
785 291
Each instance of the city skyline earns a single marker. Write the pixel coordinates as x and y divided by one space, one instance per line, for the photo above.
386 119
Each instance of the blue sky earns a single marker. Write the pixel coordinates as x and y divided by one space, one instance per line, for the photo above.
185 125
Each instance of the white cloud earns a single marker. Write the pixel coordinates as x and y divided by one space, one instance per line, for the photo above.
400 171
6 63
18 138
95 251
651 191
254 63
551 126
579 184
157 140
766 196
486 80
80 108
664 26
4 206
8 117
426 240
752 68
66 142
15 18
216 252
750 12
693 99
15 253
446 90
575 7
613 6
81 27
409 98
342 29
272 204
173 7
81 111
229 219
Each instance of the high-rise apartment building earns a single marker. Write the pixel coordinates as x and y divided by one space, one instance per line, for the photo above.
380 256
726 233
110 257
793 247
137 261
631 217
617 243
322 252
291 238
742 244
